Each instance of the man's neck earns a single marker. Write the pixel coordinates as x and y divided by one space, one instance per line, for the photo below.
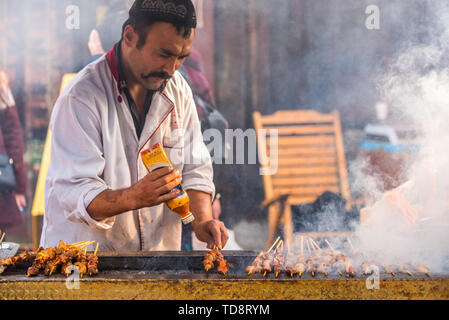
137 91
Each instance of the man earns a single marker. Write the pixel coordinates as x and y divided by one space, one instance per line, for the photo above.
97 187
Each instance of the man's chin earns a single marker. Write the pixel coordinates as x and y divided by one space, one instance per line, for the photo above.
156 85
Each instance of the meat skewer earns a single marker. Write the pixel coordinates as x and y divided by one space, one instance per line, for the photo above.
290 264
223 265
216 256
51 259
344 264
269 259
266 265
424 269
390 269
65 268
256 265
35 268
310 265
404 269
278 260
300 266
209 260
92 263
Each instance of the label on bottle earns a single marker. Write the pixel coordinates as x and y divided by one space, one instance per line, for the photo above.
156 158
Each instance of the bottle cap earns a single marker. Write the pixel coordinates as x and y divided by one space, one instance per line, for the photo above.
188 218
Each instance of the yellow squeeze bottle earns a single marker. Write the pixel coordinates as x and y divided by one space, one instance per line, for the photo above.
156 158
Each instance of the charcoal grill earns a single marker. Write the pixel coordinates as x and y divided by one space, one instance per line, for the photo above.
180 276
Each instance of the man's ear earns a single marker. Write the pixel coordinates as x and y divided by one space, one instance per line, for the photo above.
130 36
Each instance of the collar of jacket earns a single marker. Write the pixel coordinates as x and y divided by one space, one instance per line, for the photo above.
111 58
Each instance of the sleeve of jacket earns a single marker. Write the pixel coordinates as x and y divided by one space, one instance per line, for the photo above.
198 172
77 161
15 147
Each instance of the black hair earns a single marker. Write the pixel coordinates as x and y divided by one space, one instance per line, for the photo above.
142 24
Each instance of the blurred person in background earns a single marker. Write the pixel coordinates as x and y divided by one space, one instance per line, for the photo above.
11 143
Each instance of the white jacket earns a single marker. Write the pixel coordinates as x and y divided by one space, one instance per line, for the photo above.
95 147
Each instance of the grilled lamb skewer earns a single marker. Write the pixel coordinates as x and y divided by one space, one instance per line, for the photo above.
404 269
209 259
257 264
35 268
267 264
92 265
390 269
322 267
344 263
291 264
212 256
311 266
423 268
278 261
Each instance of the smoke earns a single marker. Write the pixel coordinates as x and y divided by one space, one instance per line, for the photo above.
409 224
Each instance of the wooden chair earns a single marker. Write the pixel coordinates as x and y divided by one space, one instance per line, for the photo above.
311 160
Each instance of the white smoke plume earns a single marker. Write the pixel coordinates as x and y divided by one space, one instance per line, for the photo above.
410 224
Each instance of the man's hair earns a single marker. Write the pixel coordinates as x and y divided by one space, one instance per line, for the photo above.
142 25
144 13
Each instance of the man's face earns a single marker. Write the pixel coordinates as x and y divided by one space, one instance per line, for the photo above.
157 60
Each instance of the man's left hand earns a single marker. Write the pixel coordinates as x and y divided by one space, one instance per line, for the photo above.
213 232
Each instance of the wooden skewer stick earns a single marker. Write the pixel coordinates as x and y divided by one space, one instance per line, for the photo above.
350 243
308 247
78 243
316 244
96 249
311 246
280 243
86 244
330 246
274 243
3 236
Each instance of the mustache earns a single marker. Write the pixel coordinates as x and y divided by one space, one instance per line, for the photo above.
163 75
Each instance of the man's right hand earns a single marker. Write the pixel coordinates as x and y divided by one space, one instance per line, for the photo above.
155 188
152 190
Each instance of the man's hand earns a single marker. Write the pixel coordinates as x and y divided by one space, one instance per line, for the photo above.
152 190
213 232
207 229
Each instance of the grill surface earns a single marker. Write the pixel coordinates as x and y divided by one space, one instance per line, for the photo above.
180 275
